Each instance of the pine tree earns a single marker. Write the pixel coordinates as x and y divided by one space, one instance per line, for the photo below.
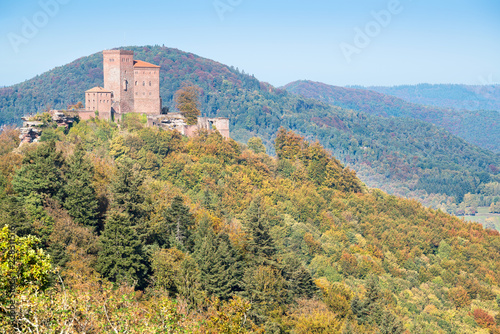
261 245
176 226
81 199
299 280
121 259
41 173
219 263
126 189
369 310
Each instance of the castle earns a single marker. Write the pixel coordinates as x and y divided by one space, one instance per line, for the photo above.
133 86
130 86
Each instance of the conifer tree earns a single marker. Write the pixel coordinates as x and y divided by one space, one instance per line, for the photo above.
81 199
41 173
219 263
261 245
176 226
126 190
121 259
299 280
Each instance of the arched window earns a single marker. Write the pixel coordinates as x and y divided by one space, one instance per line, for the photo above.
125 84
136 83
150 83
144 83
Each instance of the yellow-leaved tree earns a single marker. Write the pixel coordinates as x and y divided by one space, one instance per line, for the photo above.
187 101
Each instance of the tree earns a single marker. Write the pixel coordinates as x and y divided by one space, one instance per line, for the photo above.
24 269
219 263
81 199
187 102
255 144
121 259
176 226
41 173
298 279
126 189
261 245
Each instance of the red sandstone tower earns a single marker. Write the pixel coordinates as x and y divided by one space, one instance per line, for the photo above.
118 68
146 88
129 86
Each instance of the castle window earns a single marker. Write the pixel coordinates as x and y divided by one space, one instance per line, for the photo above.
149 93
150 83
144 83
125 85
136 83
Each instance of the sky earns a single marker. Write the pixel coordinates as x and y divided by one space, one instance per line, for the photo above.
338 42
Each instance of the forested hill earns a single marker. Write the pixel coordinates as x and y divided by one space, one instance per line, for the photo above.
478 127
478 97
408 158
152 232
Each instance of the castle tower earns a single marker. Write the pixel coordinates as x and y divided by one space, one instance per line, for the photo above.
147 88
118 67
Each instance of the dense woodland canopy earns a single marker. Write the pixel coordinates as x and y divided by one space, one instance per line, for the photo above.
483 96
478 126
405 157
141 230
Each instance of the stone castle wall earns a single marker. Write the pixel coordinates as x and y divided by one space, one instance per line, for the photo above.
147 90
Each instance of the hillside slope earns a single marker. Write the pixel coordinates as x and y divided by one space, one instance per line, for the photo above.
399 156
478 127
479 97
216 238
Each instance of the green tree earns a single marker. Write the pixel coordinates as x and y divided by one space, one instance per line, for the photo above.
261 245
121 258
219 263
298 279
176 228
255 144
24 269
81 199
126 190
41 173
187 101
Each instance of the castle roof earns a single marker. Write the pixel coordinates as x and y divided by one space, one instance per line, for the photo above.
97 90
140 63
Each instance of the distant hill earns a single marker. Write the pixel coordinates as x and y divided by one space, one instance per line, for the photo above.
468 97
399 155
477 127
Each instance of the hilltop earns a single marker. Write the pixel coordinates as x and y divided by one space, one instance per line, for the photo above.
413 159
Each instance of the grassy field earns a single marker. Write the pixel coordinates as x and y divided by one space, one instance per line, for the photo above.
483 216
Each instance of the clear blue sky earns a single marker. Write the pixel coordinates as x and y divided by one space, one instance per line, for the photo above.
432 41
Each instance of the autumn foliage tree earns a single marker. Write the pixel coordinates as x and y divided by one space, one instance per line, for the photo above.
187 101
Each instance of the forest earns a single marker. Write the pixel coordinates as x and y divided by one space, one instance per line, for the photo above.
117 227
477 126
410 158
482 96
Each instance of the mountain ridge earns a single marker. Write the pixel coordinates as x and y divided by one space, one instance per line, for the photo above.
391 153
477 127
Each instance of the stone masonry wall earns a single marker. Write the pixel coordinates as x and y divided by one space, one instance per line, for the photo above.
147 90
